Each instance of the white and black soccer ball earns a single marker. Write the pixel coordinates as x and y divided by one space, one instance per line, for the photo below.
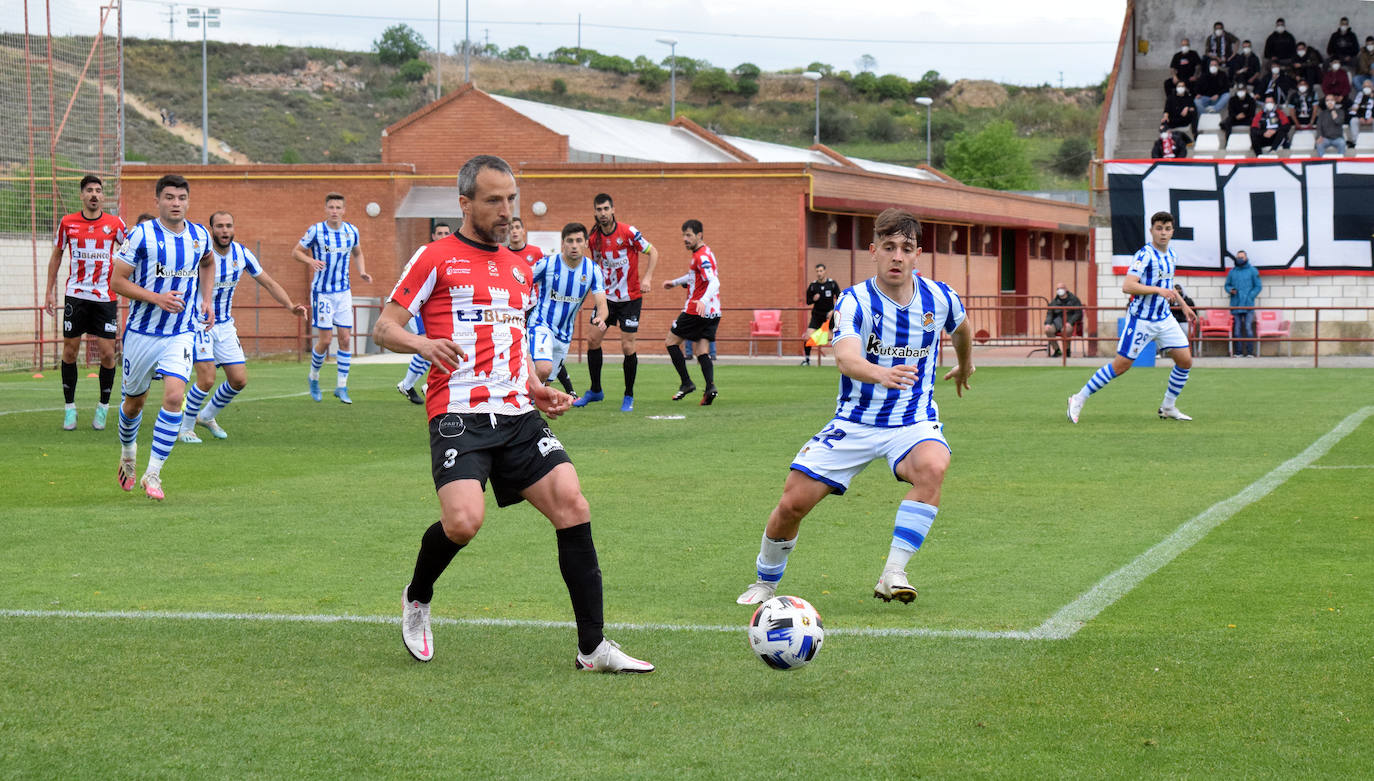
786 632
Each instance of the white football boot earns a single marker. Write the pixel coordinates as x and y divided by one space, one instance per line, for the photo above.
214 428
415 628
893 585
1075 407
608 658
1172 413
760 591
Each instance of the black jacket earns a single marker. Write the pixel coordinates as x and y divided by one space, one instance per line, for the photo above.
1069 315
1343 45
1244 67
1280 46
1180 147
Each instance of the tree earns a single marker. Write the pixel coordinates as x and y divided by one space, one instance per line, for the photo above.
930 85
821 68
837 124
865 84
893 87
866 63
713 82
1073 156
747 70
516 54
413 70
994 157
399 44
651 77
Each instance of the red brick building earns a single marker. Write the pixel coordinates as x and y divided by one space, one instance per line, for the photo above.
770 211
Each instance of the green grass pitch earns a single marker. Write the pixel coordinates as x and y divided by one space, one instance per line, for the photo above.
1248 654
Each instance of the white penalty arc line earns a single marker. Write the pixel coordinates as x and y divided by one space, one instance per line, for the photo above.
236 401
1062 625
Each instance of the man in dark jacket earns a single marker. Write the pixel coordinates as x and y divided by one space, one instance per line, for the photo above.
1180 111
1308 65
1184 68
1276 84
1331 128
1280 44
1343 44
1244 65
1303 106
1240 111
1063 317
1221 45
1213 89
1171 145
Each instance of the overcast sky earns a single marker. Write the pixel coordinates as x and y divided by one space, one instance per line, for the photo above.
1011 41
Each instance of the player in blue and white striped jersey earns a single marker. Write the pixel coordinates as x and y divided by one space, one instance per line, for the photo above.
329 247
887 348
418 365
219 345
165 271
1150 283
564 281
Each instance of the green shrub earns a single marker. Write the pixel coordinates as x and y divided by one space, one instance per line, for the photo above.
413 70
399 44
559 87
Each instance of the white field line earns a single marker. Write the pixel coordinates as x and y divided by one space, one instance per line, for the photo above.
1061 626
1344 466
236 401
1070 618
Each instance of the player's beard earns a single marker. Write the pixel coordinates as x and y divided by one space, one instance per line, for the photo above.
492 234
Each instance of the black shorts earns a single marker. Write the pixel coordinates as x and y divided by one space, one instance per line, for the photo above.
514 451
84 316
694 327
624 314
817 319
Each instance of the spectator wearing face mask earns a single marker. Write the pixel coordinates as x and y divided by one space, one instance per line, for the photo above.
1240 111
1213 90
1243 284
1277 84
1364 64
1271 129
1280 44
1330 127
1171 145
1063 317
1343 45
1244 65
1303 106
1184 68
1308 64
1336 82
1221 45
1362 113
1179 110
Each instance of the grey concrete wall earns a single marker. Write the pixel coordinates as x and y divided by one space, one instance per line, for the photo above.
1163 23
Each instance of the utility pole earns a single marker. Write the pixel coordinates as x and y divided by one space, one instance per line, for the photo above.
438 50
467 42
579 39
172 21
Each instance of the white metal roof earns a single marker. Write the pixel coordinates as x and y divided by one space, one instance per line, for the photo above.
593 137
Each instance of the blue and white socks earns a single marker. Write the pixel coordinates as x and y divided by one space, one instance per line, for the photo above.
345 361
914 520
195 399
224 394
128 433
772 560
418 367
164 437
1177 378
316 363
1098 381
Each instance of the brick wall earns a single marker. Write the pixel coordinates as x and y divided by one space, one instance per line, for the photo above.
439 138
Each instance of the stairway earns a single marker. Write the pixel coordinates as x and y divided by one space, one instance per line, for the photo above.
1140 122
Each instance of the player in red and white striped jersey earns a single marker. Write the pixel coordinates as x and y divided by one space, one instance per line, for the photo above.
618 249
472 293
700 315
90 238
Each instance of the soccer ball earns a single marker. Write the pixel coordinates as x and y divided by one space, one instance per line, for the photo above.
786 632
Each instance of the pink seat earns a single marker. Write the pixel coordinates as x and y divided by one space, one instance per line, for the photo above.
767 324
1214 323
1269 324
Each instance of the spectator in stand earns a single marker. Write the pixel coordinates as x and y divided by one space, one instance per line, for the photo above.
1364 64
1331 127
1337 82
1213 90
1240 111
1171 145
1221 45
1280 44
1362 113
1244 66
1179 110
1063 317
1308 65
1303 106
1271 129
1184 68
1343 45
1277 85
1243 284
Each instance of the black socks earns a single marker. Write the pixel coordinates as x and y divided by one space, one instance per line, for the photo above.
679 363
581 572
594 369
436 551
708 369
69 382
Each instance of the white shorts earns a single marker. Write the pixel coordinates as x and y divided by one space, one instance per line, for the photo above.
144 354
220 344
843 448
1139 333
544 346
331 310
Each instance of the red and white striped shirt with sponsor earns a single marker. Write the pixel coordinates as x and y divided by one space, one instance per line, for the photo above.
618 254
91 245
475 295
703 284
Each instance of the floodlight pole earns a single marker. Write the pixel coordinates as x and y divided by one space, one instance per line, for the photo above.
924 101
203 18
816 77
672 77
